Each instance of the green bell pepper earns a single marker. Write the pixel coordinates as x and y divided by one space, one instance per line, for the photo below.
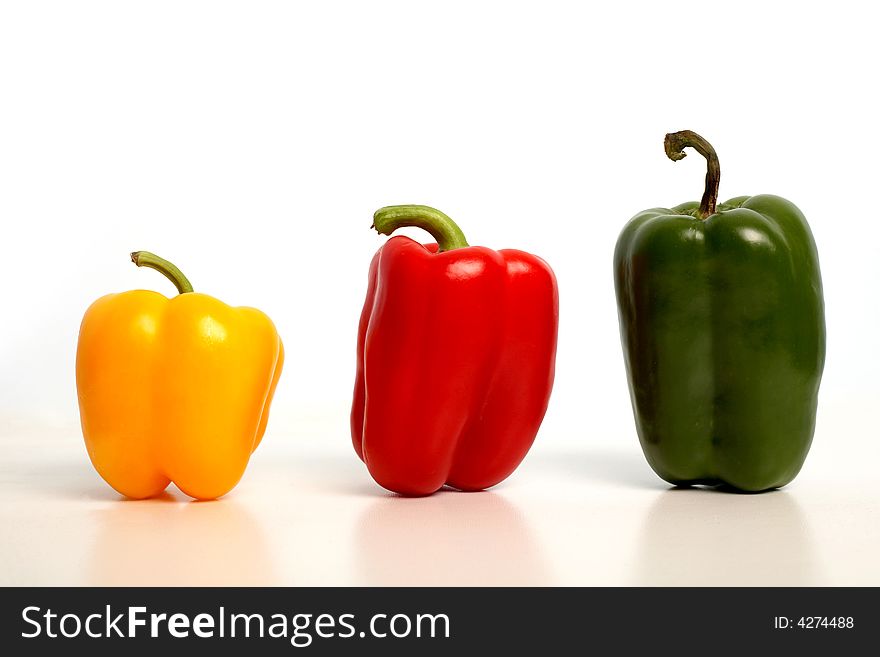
723 333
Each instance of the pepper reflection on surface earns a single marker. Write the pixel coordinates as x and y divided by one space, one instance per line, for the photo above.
166 541
450 538
694 537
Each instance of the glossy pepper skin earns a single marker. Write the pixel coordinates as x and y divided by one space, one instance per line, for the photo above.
723 332
455 358
174 390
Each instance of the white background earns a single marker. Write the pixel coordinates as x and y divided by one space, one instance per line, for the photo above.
250 143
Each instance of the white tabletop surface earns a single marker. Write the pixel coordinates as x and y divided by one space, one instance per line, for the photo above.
307 513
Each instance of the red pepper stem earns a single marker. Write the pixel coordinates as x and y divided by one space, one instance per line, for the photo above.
675 143
172 273
443 229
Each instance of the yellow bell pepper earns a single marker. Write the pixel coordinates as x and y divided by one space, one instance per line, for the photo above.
174 390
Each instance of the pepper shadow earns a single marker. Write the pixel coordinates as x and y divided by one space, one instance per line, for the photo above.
709 537
448 539
609 466
170 541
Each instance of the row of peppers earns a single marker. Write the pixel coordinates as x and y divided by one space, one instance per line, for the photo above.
721 322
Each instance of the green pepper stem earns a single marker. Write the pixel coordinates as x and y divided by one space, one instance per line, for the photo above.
443 229
172 273
675 143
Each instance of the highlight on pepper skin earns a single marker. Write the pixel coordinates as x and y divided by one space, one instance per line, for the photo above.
455 358
723 332
174 390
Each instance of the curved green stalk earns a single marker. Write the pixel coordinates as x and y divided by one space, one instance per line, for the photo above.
170 271
443 229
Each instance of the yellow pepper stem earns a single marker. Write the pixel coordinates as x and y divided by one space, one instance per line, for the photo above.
170 271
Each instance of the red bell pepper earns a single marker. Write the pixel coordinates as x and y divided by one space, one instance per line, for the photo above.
455 359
